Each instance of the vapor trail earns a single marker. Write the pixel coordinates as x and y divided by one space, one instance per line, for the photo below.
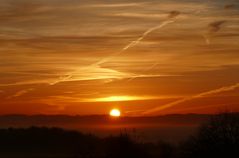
215 91
171 15
134 43
169 20
146 70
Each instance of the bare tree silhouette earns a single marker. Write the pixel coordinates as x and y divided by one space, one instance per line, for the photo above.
217 138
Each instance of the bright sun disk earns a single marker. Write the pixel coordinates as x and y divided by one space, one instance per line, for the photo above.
115 113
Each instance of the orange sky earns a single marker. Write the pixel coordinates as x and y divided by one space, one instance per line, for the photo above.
144 57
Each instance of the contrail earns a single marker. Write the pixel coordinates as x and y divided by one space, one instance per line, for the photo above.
62 79
134 43
146 70
20 93
171 15
215 91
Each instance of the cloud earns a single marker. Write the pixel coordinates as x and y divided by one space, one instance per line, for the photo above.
213 28
61 79
134 43
138 15
204 94
79 43
170 19
115 5
120 98
20 93
92 72
172 14
229 6
21 10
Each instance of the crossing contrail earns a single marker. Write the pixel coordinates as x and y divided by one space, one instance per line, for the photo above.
170 19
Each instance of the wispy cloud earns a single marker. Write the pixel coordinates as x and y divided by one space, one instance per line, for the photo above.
20 93
212 29
92 72
204 94
170 19
171 15
229 6
98 46
120 98
115 5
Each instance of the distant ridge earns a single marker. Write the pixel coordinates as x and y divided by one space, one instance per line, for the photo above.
54 120
173 127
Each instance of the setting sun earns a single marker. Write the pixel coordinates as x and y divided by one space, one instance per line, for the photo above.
115 113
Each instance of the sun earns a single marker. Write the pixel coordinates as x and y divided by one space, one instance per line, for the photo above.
115 113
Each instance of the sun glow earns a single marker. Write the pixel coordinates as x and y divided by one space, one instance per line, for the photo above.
115 113
120 98
117 98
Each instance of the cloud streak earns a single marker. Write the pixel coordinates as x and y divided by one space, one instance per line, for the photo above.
170 19
229 6
115 5
20 93
212 29
172 14
204 94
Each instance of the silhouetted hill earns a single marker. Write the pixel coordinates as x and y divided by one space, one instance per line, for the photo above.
171 128
56 142
45 141
217 137
177 119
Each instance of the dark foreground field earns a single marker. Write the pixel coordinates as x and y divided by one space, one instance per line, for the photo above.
172 128
219 137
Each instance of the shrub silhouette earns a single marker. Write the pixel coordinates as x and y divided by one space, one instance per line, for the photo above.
160 149
123 147
46 141
217 138
56 142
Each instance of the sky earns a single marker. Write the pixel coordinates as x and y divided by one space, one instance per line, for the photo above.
85 57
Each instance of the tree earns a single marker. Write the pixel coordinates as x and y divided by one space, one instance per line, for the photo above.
219 137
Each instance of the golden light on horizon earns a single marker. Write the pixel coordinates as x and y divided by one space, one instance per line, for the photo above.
115 113
112 99
117 98
120 98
